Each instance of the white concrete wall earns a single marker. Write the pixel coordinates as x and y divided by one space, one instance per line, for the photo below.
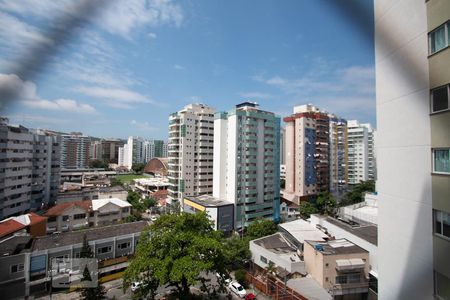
405 264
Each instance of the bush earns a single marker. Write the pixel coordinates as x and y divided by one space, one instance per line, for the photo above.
239 275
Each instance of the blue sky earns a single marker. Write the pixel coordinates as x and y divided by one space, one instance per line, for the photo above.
124 72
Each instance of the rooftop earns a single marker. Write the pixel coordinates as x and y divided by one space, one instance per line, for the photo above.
14 245
96 204
309 288
302 230
208 201
366 232
155 181
13 224
58 209
278 245
76 237
336 247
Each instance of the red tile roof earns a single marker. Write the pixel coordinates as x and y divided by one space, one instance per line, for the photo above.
10 226
59 209
35 218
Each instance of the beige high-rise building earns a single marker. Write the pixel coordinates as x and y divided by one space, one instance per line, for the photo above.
190 151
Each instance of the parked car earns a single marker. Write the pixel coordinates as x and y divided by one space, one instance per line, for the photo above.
224 278
238 289
250 296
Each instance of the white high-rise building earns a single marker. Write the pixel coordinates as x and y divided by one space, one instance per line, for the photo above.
405 179
191 144
361 152
133 152
247 162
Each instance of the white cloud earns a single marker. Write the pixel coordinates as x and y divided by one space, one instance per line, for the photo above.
255 95
120 98
15 35
178 67
144 126
26 93
60 104
152 35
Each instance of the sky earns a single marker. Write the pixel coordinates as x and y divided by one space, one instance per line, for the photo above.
123 71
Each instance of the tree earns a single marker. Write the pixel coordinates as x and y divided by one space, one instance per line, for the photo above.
137 205
98 164
326 203
176 249
115 182
149 202
138 168
260 228
94 293
356 194
307 209
237 252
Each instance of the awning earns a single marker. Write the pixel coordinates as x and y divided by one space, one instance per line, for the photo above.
349 264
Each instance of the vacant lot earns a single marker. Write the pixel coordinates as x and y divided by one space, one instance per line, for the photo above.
129 177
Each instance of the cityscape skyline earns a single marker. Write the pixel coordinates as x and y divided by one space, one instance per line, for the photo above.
112 75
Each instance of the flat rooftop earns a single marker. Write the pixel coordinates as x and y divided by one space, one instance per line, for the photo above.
366 232
302 230
208 201
14 245
335 247
278 245
76 237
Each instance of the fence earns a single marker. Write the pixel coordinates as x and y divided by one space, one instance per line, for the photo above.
273 288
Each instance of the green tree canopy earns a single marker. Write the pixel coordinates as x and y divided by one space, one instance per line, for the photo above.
356 194
326 203
260 228
307 209
176 249
98 164
138 168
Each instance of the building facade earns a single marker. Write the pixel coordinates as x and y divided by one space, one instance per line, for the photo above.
191 144
307 153
75 150
29 169
247 162
110 150
338 155
412 73
361 152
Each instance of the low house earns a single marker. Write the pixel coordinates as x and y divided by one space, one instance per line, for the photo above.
275 249
29 223
339 266
79 214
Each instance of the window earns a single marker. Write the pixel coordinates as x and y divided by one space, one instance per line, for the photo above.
103 250
79 216
442 223
263 259
65 218
16 268
441 161
438 39
440 99
124 245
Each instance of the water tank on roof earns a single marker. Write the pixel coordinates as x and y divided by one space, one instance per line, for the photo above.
318 247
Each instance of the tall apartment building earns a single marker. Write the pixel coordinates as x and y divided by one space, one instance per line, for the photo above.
110 150
29 169
190 151
165 149
361 152
95 150
247 162
133 152
282 145
412 57
154 148
307 153
75 151
338 155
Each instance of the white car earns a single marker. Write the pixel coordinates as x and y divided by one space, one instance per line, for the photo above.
238 289
223 278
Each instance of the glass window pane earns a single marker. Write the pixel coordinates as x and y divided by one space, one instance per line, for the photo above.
446 224
440 99
442 160
438 222
438 39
